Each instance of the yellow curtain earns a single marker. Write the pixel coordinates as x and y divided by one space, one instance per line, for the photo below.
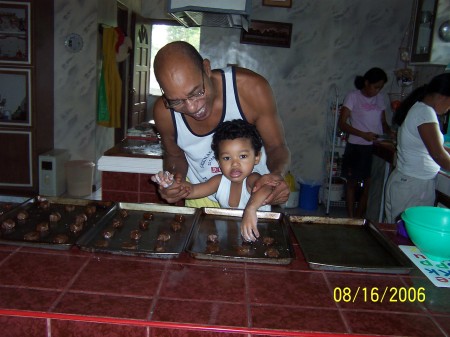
110 88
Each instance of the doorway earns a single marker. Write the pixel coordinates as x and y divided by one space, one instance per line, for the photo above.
122 23
139 71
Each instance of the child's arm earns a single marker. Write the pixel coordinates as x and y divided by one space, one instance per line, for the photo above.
205 189
200 190
249 230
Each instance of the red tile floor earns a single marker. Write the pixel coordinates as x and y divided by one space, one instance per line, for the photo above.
53 293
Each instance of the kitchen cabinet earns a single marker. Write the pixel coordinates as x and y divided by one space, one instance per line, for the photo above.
443 189
26 86
429 45
127 169
383 162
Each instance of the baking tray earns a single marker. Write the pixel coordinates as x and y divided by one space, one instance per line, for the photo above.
148 244
225 224
39 210
8 203
344 244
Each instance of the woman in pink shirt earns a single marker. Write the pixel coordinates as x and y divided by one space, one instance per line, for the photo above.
362 117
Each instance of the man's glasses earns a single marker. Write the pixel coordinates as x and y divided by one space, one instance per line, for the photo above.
178 103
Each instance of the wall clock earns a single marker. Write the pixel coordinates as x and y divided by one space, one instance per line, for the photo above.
73 43
444 31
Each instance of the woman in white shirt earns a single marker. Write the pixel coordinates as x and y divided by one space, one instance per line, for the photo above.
420 148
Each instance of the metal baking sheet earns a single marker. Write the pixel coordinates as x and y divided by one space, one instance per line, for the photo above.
148 244
344 244
225 224
39 210
8 203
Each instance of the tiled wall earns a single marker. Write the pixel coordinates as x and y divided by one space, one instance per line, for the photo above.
129 187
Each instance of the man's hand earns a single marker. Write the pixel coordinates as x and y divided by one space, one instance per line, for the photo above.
280 189
175 192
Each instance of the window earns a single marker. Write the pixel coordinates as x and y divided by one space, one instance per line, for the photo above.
163 33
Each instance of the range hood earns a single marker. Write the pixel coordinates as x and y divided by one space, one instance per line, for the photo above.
212 13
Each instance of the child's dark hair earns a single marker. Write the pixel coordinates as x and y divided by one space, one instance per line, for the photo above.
440 84
372 76
236 128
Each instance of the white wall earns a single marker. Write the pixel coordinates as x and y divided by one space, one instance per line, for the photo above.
76 77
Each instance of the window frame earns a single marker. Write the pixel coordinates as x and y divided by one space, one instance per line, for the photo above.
152 22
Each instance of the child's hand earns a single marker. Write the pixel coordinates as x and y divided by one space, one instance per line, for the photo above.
249 230
165 179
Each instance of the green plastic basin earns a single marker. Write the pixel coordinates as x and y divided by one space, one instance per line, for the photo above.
429 229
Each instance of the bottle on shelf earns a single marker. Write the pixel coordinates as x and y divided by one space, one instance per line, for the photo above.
343 139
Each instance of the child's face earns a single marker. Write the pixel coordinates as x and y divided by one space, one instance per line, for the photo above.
237 158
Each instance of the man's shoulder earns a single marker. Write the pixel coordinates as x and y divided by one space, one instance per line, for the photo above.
251 83
247 74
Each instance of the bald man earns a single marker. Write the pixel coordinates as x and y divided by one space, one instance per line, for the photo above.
195 100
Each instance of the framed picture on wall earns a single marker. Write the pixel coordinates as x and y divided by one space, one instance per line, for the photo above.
15 96
268 33
278 3
15 32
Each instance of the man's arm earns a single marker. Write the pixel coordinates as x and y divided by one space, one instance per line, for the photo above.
259 106
174 159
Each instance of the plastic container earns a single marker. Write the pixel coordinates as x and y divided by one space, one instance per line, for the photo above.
429 229
80 175
401 229
336 192
309 196
292 202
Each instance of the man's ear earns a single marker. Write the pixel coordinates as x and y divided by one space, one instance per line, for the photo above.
207 67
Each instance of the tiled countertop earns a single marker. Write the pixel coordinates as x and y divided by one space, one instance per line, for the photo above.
75 293
133 156
129 147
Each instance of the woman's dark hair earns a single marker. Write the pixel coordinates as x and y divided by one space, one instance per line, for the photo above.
440 84
236 128
373 75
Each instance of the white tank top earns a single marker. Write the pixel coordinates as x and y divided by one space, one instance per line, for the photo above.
223 195
197 148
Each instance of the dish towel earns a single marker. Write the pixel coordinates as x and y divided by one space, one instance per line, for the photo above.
110 86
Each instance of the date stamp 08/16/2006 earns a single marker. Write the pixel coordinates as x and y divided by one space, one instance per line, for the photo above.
379 295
